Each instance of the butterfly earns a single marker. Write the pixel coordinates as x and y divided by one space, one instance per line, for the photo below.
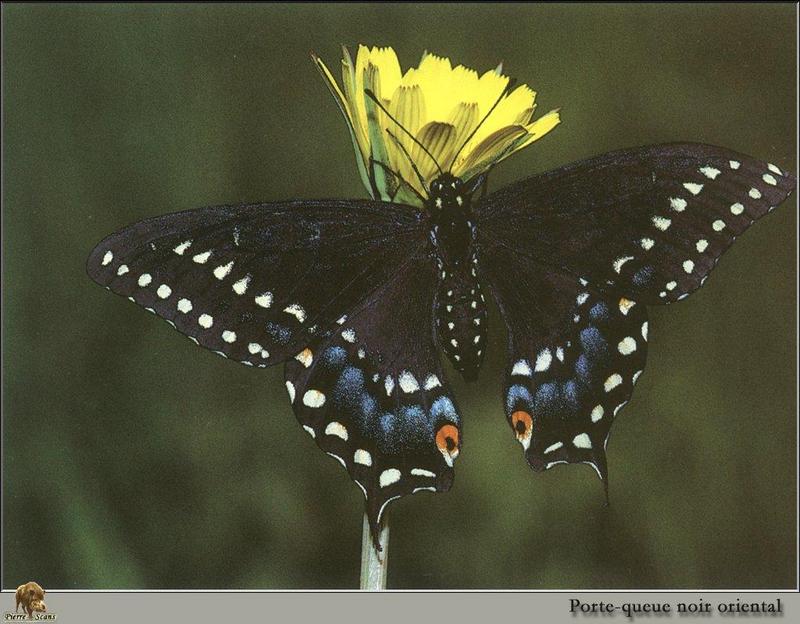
358 298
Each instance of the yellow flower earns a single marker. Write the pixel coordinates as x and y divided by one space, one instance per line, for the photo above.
441 106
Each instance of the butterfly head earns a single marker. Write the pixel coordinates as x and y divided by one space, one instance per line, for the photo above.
448 194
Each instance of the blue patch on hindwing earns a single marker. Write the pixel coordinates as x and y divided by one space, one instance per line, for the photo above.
592 342
334 356
546 395
518 396
583 368
410 429
599 312
443 408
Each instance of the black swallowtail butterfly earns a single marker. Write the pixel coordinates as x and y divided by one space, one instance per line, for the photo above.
357 297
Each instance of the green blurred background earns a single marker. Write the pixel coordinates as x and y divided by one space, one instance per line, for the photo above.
133 459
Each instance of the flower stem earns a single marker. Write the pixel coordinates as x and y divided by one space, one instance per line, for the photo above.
374 564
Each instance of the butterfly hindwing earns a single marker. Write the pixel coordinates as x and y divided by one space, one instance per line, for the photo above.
648 223
256 283
373 396
574 355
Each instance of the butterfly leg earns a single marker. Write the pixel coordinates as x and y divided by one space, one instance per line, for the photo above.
410 160
481 182
485 183
387 169
372 181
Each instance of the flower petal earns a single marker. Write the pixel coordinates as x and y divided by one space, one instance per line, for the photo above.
408 107
355 103
435 136
385 59
488 151
490 87
463 117
434 77
542 126
524 117
384 75
506 112
341 102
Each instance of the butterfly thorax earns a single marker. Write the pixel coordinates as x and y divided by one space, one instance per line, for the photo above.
460 308
452 231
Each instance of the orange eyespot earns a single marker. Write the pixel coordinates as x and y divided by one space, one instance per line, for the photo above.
447 440
523 427
521 422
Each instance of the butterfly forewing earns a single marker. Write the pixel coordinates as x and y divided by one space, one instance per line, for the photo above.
647 223
257 282
373 396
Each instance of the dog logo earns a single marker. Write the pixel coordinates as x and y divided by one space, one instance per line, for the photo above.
30 597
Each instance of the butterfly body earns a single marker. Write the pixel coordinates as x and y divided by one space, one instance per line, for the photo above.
356 298
460 309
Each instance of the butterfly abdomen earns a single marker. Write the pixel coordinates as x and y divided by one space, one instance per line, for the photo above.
461 320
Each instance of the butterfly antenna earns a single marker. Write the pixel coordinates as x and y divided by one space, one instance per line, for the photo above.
374 98
407 155
511 83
